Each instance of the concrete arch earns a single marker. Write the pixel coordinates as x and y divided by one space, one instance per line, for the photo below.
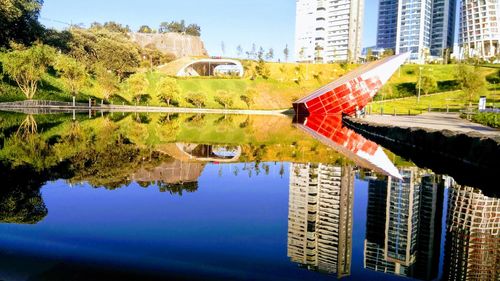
210 153
212 67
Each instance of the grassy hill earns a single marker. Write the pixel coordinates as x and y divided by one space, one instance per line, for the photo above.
286 82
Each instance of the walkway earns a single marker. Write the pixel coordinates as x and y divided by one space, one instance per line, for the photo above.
433 121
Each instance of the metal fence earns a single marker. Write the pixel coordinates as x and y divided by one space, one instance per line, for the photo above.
39 103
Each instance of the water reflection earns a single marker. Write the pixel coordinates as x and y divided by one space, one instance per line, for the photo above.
472 248
330 131
320 217
405 230
403 227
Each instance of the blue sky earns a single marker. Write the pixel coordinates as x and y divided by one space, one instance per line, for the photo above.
267 23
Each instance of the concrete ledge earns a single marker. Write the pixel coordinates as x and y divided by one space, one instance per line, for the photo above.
43 109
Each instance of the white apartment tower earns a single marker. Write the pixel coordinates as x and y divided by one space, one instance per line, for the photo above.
328 30
479 33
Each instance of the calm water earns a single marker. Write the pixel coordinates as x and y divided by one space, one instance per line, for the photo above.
162 197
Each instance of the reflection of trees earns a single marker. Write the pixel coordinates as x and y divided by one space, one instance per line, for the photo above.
20 198
142 118
224 123
178 188
28 127
196 121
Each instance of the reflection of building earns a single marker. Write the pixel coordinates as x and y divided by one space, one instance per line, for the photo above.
195 152
473 236
479 33
320 217
170 173
328 30
403 225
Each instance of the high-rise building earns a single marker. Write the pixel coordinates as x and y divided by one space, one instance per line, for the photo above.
479 30
403 225
473 236
320 217
328 30
423 27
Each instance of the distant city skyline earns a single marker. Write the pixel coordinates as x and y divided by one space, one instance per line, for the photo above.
235 22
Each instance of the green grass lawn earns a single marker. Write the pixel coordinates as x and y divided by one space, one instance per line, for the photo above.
452 101
277 92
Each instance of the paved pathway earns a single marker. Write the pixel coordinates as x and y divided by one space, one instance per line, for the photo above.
435 121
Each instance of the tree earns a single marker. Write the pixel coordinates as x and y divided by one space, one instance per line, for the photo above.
145 29
73 74
112 50
193 30
260 54
168 89
427 83
263 69
224 98
196 98
249 97
19 21
253 52
270 54
387 53
369 55
471 81
286 52
164 27
107 81
137 84
111 26
223 48
27 67
239 51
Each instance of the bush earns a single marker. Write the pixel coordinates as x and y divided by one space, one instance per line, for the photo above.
410 72
406 89
195 98
448 85
487 118
494 78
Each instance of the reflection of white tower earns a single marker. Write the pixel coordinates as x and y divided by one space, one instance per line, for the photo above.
402 219
473 236
320 217
403 225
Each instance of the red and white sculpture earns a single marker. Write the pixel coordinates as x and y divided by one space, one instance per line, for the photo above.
352 91
320 113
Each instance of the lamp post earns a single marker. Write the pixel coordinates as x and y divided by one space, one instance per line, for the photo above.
419 83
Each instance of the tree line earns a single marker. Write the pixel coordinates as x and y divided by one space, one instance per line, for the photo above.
173 26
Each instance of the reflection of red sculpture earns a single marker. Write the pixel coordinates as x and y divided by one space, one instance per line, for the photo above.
355 90
329 130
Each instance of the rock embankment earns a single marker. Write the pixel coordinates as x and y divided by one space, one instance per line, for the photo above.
180 45
472 159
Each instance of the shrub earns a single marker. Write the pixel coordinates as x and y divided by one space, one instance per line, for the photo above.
448 85
487 118
195 98
168 89
494 78
224 98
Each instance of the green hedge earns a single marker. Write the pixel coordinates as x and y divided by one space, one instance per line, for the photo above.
489 119
494 78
